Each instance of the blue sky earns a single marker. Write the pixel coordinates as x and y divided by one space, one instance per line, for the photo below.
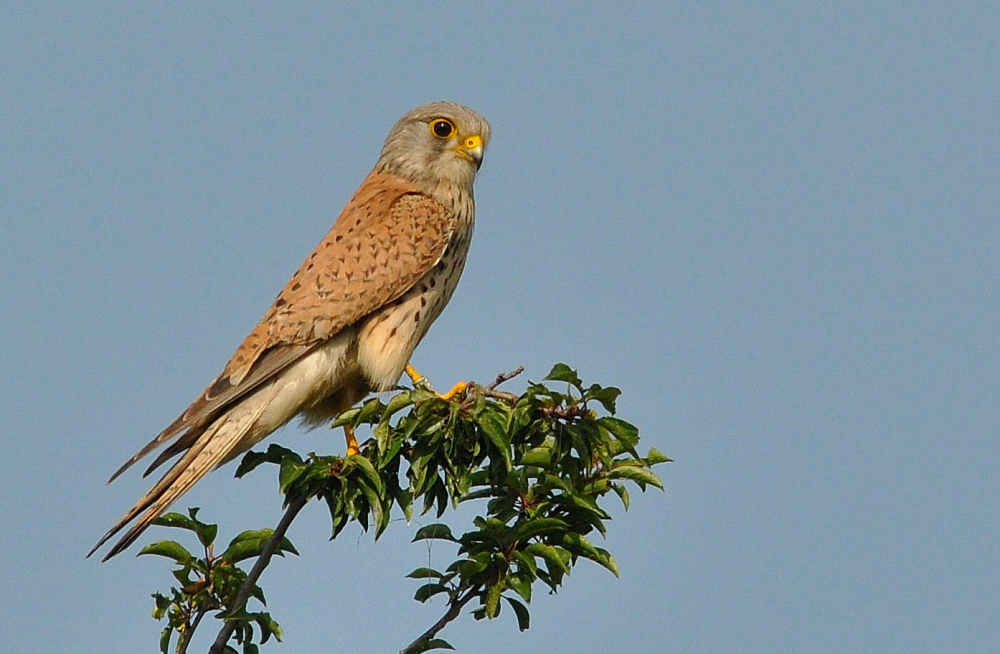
773 226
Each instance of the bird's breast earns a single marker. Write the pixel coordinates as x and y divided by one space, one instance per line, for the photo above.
388 336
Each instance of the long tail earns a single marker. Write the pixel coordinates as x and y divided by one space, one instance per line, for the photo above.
220 442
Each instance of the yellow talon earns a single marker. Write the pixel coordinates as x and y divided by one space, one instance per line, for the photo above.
455 390
420 380
352 442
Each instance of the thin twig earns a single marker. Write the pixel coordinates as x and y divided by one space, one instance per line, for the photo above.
454 609
505 376
491 390
262 561
187 636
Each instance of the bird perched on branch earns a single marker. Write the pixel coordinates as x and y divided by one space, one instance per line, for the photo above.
348 320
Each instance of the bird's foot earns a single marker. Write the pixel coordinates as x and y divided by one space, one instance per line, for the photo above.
421 381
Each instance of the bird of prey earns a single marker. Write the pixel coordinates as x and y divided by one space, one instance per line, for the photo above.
350 317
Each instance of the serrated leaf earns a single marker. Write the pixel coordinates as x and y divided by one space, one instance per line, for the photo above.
169 549
521 611
438 531
562 372
639 475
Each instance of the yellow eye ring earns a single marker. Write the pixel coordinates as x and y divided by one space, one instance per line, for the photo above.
443 128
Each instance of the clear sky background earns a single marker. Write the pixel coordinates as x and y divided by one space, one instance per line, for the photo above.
774 227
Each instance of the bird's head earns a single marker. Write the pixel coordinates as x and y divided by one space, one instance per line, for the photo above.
440 142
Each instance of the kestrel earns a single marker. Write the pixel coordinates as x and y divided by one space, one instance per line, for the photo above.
348 320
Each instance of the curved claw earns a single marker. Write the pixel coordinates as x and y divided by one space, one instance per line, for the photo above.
420 380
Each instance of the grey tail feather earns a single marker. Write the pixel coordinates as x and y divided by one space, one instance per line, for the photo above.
175 428
223 435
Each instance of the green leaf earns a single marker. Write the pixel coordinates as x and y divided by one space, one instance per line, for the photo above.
557 556
275 453
206 533
433 643
369 411
169 549
250 543
289 472
492 604
165 639
526 563
625 432
175 520
425 573
495 428
639 475
606 396
369 472
655 456
521 611
562 372
622 493
428 591
539 456
398 402
520 582
537 527
438 531
580 546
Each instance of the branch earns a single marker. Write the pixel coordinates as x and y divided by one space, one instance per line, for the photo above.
454 609
294 506
490 391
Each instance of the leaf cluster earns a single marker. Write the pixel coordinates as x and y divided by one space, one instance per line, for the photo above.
538 465
211 582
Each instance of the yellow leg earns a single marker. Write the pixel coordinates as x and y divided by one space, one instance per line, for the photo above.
419 379
352 442
412 373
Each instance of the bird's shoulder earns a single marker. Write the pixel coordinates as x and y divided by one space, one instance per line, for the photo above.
389 235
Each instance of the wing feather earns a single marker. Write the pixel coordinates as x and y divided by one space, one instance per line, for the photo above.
387 237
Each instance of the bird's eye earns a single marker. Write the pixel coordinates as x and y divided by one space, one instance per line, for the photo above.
443 128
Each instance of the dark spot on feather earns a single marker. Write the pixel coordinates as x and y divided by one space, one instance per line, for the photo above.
296 286
280 302
220 386
392 333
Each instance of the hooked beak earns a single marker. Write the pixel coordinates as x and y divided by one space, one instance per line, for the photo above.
471 148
